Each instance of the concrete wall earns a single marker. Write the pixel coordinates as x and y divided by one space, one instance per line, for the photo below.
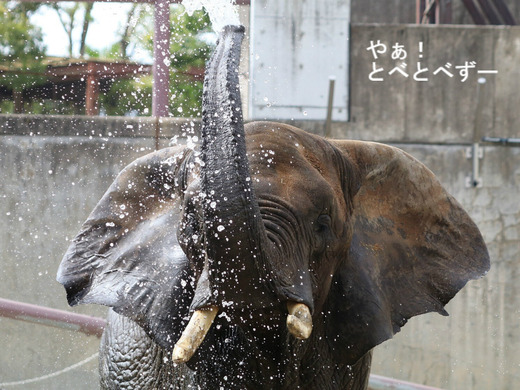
442 109
296 46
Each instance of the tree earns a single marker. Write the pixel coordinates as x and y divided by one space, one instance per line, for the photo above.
133 18
21 50
191 45
192 41
68 15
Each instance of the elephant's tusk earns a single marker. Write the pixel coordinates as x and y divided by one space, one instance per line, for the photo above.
299 320
194 334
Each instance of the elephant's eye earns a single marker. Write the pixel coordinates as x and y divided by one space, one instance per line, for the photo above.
322 224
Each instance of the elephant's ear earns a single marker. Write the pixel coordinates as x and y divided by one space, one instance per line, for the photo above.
127 255
413 249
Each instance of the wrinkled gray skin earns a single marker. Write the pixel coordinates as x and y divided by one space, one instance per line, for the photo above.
129 359
259 217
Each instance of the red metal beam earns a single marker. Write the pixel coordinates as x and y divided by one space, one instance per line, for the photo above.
92 92
504 12
92 326
477 17
419 10
161 59
80 69
490 13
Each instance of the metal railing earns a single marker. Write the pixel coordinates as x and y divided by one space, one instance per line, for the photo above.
94 326
378 382
52 317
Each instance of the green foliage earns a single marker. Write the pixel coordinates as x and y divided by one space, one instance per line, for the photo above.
21 47
125 97
190 48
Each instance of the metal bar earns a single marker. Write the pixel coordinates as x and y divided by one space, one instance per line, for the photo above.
419 10
91 326
161 55
92 91
502 141
377 382
476 155
477 17
157 132
478 125
489 12
330 106
431 12
504 12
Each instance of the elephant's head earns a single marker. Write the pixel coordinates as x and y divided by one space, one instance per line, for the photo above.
269 225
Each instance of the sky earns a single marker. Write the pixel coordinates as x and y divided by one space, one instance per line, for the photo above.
108 19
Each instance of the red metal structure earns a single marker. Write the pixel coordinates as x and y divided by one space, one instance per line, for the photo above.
52 317
161 81
482 12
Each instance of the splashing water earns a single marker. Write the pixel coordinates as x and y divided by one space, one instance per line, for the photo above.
221 12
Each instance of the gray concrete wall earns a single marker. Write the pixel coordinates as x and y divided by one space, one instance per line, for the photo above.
442 109
296 46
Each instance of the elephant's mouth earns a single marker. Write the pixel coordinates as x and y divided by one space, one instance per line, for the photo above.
298 322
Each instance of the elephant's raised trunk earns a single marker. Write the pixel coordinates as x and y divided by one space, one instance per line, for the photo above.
235 238
237 270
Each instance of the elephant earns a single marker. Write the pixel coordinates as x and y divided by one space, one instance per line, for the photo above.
266 257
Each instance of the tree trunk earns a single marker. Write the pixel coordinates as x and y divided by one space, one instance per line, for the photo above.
86 23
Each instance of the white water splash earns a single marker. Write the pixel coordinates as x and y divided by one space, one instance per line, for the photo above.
221 12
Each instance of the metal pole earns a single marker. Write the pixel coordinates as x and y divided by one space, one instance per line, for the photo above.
502 141
92 91
91 326
330 106
377 382
161 54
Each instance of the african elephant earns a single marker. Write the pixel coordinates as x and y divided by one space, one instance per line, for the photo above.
268 258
